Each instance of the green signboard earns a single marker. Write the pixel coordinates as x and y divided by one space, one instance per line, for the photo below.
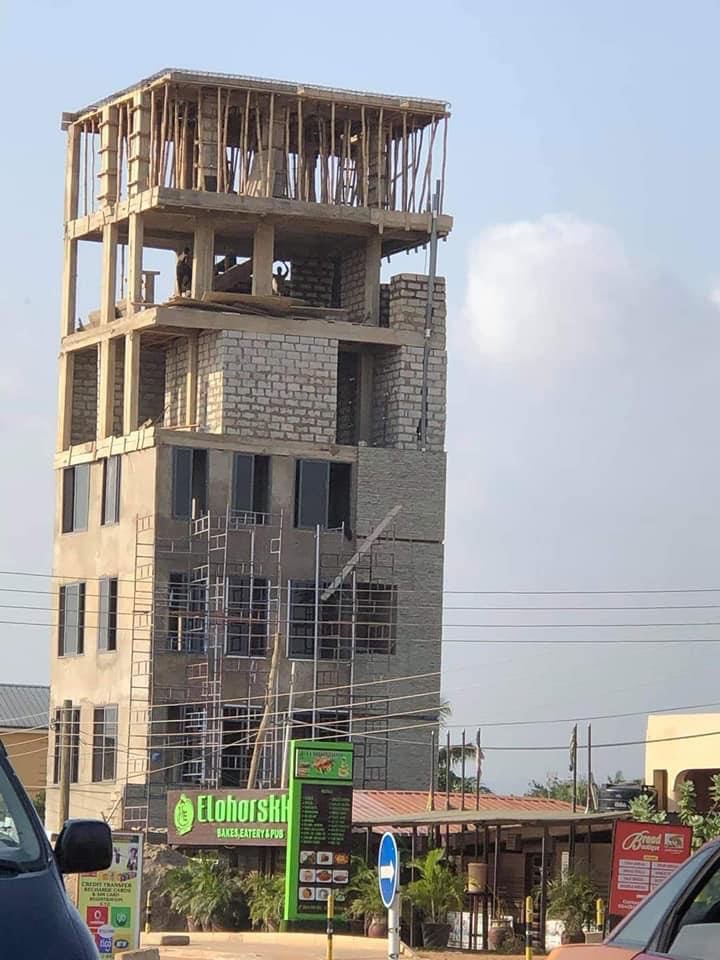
319 828
224 817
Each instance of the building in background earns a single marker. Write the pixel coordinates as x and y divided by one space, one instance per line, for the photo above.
687 747
250 454
24 709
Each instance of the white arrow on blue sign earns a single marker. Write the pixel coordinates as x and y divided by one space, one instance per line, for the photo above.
388 869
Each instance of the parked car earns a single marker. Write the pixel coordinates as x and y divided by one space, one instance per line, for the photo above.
680 920
37 919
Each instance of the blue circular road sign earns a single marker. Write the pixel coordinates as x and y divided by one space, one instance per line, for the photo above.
388 869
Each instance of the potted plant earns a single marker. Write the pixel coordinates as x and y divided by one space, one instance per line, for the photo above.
572 900
365 902
206 891
435 892
265 897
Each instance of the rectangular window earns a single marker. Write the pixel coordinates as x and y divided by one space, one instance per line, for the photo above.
111 490
104 757
322 494
187 614
335 623
250 488
107 617
71 622
375 618
330 724
247 623
75 497
74 744
190 483
239 729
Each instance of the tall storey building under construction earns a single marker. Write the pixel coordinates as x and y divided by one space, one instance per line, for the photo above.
250 454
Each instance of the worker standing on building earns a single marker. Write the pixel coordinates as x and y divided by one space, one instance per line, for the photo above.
183 272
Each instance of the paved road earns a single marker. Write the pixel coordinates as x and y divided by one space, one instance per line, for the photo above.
269 947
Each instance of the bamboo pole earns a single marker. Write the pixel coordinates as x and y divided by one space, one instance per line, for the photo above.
86 166
269 167
175 177
118 179
405 165
363 137
379 158
288 192
417 153
427 178
301 147
163 136
442 169
244 158
218 144
153 138
92 168
258 135
333 163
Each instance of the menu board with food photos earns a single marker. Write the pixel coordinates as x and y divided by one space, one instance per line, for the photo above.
319 829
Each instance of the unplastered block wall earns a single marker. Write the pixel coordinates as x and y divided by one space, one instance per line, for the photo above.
408 293
312 280
273 385
397 398
176 364
118 387
352 284
151 399
83 426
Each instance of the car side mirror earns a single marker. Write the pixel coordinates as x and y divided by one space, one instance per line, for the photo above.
84 846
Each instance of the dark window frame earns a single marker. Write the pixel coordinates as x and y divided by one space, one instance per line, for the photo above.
75 498
108 614
334 632
333 502
187 599
240 724
248 617
254 506
76 648
112 473
105 742
74 744
190 500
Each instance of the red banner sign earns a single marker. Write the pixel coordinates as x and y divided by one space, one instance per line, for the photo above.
644 854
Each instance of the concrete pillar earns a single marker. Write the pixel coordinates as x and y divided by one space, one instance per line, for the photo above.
69 288
65 397
131 388
263 257
373 255
136 233
203 250
139 145
72 172
109 273
367 367
191 380
108 156
106 388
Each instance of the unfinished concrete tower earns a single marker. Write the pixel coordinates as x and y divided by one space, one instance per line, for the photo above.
250 466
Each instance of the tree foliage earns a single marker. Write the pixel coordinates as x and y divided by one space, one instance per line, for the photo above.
437 890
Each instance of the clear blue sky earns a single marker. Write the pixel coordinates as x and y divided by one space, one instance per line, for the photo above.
573 394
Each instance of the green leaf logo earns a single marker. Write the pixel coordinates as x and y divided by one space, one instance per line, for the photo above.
184 815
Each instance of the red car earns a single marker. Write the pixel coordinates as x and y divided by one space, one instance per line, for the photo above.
680 920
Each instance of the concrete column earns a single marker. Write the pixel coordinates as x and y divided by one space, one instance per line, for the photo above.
131 388
69 288
109 273
373 255
72 172
108 156
203 249
65 397
191 380
106 388
139 145
263 257
367 369
136 233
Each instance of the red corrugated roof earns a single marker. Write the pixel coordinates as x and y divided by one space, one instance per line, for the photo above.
375 804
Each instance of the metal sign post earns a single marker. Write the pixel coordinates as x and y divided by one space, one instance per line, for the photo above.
389 880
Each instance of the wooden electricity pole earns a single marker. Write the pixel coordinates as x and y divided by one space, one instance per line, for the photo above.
65 734
265 719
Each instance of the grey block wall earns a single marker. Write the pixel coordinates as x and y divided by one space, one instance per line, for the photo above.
176 361
151 399
83 426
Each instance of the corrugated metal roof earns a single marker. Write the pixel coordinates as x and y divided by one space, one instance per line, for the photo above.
24 705
412 807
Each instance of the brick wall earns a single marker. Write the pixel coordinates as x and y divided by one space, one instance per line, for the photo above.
352 284
83 425
384 320
210 382
117 425
408 301
176 361
151 400
312 279
397 395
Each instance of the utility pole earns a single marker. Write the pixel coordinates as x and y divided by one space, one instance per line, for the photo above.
65 761
265 719
573 766
427 333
